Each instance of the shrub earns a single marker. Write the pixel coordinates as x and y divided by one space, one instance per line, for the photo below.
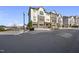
31 29
2 29
75 26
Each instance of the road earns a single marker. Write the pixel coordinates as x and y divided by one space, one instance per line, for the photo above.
57 41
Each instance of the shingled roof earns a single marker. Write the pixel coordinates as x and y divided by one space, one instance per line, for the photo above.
37 8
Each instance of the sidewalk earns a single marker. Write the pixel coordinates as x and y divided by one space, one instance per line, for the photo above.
11 32
43 29
70 28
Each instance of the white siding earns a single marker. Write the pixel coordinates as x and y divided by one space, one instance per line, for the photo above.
60 20
77 20
72 20
41 9
69 21
34 16
47 18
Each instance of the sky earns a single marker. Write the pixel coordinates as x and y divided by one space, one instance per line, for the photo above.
10 15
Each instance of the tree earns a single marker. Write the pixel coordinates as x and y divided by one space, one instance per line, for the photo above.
30 24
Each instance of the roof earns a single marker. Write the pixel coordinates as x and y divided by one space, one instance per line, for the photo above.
37 8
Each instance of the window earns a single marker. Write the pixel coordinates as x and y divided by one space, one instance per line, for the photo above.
34 18
41 18
34 10
41 12
47 19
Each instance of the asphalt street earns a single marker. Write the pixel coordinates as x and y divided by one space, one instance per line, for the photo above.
56 41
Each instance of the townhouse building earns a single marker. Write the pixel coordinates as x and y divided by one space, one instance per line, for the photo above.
60 20
42 19
65 21
73 21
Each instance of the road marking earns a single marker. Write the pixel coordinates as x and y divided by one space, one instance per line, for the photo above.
65 35
2 51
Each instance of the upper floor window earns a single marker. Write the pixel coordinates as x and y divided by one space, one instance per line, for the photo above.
41 13
34 10
47 19
34 17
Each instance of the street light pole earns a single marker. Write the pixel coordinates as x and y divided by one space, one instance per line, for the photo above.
24 21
